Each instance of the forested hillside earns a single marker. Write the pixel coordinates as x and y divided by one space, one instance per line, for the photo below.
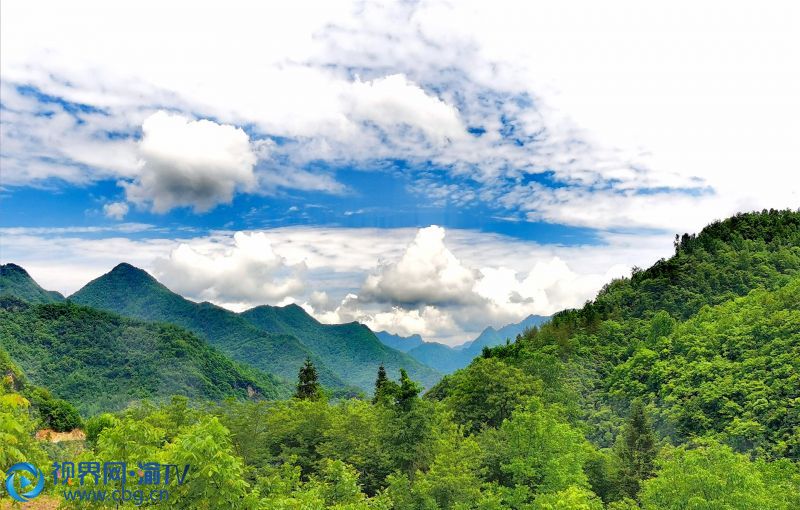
730 371
100 361
132 292
15 281
351 350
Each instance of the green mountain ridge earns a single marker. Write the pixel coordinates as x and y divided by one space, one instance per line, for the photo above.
352 350
273 339
16 281
132 292
709 339
100 361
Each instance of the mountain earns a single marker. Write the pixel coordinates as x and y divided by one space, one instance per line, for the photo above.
15 281
352 351
708 339
401 343
274 339
100 361
132 292
490 337
446 359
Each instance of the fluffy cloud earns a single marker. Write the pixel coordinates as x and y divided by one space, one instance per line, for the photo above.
115 210
431 292
427 273
196 163
248 272
395 102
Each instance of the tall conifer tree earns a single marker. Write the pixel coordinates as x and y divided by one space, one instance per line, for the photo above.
308 387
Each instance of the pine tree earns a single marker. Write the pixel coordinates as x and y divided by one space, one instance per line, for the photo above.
408 391
636 450
381 386
308 387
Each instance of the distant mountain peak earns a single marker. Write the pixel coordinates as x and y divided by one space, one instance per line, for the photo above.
16 281
123 268
12 268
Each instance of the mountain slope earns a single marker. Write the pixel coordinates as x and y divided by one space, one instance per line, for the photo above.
447 359
400 343
132 292
100 361
709 339
15 281
490 337
351 350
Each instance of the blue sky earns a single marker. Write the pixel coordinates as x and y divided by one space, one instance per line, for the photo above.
464 167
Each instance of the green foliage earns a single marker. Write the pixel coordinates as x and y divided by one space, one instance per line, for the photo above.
97 424
215 479
537 449
100 361
571 498
713 476
385 390
55 413
16 430
487 393
731 371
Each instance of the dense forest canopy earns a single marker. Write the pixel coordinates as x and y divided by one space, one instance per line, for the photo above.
676 388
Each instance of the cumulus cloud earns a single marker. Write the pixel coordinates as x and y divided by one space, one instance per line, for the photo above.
427 273
427 290
196 163
115 210
247 273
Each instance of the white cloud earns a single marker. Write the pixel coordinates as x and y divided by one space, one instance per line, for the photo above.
394 101
248 272
427 289
196 163
115 210
427 273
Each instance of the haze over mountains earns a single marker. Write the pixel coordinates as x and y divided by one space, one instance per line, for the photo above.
448 359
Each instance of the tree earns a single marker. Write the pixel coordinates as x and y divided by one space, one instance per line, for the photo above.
216 476
385 389
713 476
636 451
487 392
537 450
308 387
408 392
